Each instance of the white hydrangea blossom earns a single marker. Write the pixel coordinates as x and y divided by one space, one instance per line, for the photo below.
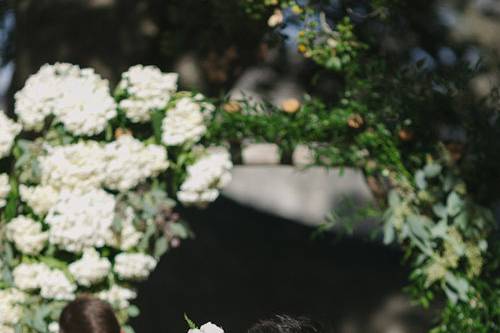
55 285
4 189
35 101
39 198
90 269
206 177
184 123
77 166
81 220
134 266
26 234
79 98
118 296
28 276
147 89
8 132
129 162
129 236
207 328
11 310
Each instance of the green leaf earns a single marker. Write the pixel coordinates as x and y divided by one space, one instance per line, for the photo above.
420 180
190 323
440 210
157 120
389 233
161 246
128 329
432 170
133 311
440 230
394 199
53 263
454 204
459 284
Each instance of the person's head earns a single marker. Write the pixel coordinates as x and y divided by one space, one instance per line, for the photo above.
286 324
88 315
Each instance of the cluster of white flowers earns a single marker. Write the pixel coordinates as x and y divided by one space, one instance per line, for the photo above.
53 283
26 234
207 328
134 266
147 89
120 165
81 220
4 189
90 269
79 189
76 166
118 296
184 123
39 198
128 162
27 276
11 310
206 177
8 132
78 98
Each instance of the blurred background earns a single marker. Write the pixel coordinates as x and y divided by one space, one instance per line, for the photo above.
257 250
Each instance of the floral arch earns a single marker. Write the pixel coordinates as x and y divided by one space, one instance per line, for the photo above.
90 180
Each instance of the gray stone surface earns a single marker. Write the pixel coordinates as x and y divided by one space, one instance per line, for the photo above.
306 196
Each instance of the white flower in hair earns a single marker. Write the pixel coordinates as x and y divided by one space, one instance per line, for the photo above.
207 328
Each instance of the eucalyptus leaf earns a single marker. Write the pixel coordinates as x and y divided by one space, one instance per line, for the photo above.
454 204
161 246
133 311
440 210
432 170
389 233
420 180
394 199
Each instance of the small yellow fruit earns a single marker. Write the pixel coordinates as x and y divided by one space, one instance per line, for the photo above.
290 105
232 107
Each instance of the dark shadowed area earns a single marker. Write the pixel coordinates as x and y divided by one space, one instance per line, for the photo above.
246 265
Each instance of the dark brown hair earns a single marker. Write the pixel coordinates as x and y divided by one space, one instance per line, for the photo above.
287 324
87 314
